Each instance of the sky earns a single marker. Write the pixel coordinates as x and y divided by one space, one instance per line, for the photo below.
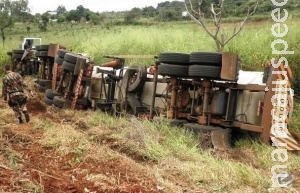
41 6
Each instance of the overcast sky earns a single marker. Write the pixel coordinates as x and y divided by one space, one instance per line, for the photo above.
41 6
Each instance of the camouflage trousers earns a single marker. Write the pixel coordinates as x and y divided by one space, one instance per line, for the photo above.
18 104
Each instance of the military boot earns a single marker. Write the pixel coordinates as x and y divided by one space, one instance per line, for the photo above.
26 116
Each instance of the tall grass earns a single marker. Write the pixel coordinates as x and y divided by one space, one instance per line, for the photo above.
253 44
170 154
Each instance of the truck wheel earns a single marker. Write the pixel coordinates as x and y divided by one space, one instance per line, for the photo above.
45 83
59 61
71 58
204 71
50 94
212 58
173 70
18 51
48 101
61 53
129 105
136 75
68 66
42 47
59 101
174 58
41 54
42 89
17 56
178 122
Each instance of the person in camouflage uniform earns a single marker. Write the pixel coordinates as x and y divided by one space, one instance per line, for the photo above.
13 87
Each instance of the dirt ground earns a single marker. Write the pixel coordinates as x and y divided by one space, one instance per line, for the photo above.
26 166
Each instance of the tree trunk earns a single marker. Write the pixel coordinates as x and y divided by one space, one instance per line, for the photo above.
219 47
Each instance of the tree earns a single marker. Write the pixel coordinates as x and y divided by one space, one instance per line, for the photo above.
132 15
61 10
45 20
149 11
71 16
96 18
170 11
10 11
61 18
217 11
80 14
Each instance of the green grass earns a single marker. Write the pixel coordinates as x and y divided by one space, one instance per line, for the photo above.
171 154
252 44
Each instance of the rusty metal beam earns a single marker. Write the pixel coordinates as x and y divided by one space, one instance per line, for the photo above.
267 116
248 127
134 56
152 105
252 87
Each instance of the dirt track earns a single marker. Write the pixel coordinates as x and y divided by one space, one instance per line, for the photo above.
26 166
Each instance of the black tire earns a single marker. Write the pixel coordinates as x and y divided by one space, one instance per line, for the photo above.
71 58
18 51
17 56
44 82
129 105
174 58
41 54
204 71
137 76
173 70
212 58
50 94
61 53
42 89
178 122
68 66
48 101
42 47
59 61
59 101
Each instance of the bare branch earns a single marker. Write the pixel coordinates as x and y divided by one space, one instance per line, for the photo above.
191 7
243 23
200 20
217 14
218 20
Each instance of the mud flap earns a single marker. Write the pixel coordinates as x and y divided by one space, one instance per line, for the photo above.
230 66
221 139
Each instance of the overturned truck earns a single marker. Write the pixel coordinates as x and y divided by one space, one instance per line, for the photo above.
202 91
